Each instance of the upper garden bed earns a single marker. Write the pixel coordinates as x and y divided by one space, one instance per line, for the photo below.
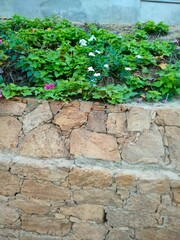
53 59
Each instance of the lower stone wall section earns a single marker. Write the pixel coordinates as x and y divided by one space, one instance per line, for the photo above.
74 200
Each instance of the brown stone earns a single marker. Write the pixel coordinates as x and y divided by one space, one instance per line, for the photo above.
90 231
83 177
118 235
9 132
69 118
126 181
39 170
44 190
116 123
97 121
170 211
85 106
9 216
40 115
45 225
9 184
173 138
33 236
87 212
88 144
160 186
176 195
12 107
44 141
157 233
55 106
168 117
143 203
97 106
147 149
30 206
98 197
139 119
135 219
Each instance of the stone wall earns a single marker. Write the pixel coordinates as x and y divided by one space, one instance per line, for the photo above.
89 171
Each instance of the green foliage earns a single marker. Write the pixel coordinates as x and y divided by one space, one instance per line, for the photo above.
86 62
151 28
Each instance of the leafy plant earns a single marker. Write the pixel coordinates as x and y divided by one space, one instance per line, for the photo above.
86 62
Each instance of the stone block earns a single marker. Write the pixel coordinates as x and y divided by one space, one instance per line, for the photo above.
143 203
90 231
168 117
39 171
118 234
176 195
139 119
133 219
173 138
44 190
9 216
147 149
44 141
45 225
160 186
9 132
125 181
88 144
40 115
97 121
30 206
12 107
9 184
86 212
157 233
85 106
69 118
83 177
98 197
116 123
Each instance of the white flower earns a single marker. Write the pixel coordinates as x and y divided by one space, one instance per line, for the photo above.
83 42
138 56
98 52
106 66
119 36
90 69
97 74
92 38
128 69
91 54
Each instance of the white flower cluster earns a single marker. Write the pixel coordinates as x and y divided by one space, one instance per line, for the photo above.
83 43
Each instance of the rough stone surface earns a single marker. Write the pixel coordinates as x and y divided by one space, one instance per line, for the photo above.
97 121
44 190
45 225
157 233
9 132
168 117
139 119
116 123
173 138
116 177
90 177
88 144
87 212
9 184
147 149
89 231
12 107
69 118
36 143
40 115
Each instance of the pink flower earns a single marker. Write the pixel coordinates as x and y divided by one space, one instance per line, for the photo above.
1 94
0 40
49 86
